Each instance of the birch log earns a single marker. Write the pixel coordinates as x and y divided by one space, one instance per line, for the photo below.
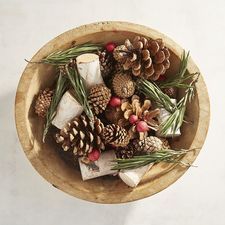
98 168
133 177
163 116
88 66
67 109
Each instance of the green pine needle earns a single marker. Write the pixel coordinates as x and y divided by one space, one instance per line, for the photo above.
79 89
64 57
164 155
61 87
180 80
175 120
152 91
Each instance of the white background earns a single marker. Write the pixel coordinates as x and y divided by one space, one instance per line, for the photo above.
198 198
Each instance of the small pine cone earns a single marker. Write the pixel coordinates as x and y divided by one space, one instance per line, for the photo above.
126 152
165 143
123 85
43 102
115 135
106 63
171 92
148 144
118 68
99 97
81 135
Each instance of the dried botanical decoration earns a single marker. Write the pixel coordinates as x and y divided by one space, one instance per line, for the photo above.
115 135
99 97
126 152
148 144
107 63
80 136
123 85
122 93
43 102
135 111
146 58
171 92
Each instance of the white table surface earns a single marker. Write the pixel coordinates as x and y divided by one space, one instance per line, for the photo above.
196 198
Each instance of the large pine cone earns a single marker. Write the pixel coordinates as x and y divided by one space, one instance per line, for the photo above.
43 102
123 85
99 97
107 63
81 135
148 144
144 57
115 135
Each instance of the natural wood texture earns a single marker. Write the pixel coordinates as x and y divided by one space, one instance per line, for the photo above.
106 189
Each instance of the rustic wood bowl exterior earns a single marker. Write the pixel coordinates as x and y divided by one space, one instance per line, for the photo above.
63 176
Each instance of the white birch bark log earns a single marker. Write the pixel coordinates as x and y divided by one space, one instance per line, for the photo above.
67 109
98 168
133 177
163 116
88 66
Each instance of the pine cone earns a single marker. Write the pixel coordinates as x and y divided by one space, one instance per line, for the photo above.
115 135
165 143
171 92
106 63
144 57
43 102
118 68
99 97
81 135
149 144
123 85
126 152
142 110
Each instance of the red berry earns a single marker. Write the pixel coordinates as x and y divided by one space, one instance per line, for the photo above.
142 126
115 102
94 155
133 119
110 46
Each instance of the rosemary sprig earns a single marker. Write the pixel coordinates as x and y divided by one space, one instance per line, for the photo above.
64 57
164 155
60 89
182 77
79 90
152 91
175 120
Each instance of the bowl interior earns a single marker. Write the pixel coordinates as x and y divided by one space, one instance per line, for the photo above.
48 162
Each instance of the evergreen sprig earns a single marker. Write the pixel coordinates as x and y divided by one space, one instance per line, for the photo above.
164 155
180 80
61 87
175 120
152 91
79 89
63 57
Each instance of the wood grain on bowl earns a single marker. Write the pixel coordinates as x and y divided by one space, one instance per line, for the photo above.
68 179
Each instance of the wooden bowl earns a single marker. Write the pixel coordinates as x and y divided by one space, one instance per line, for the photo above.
64 177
